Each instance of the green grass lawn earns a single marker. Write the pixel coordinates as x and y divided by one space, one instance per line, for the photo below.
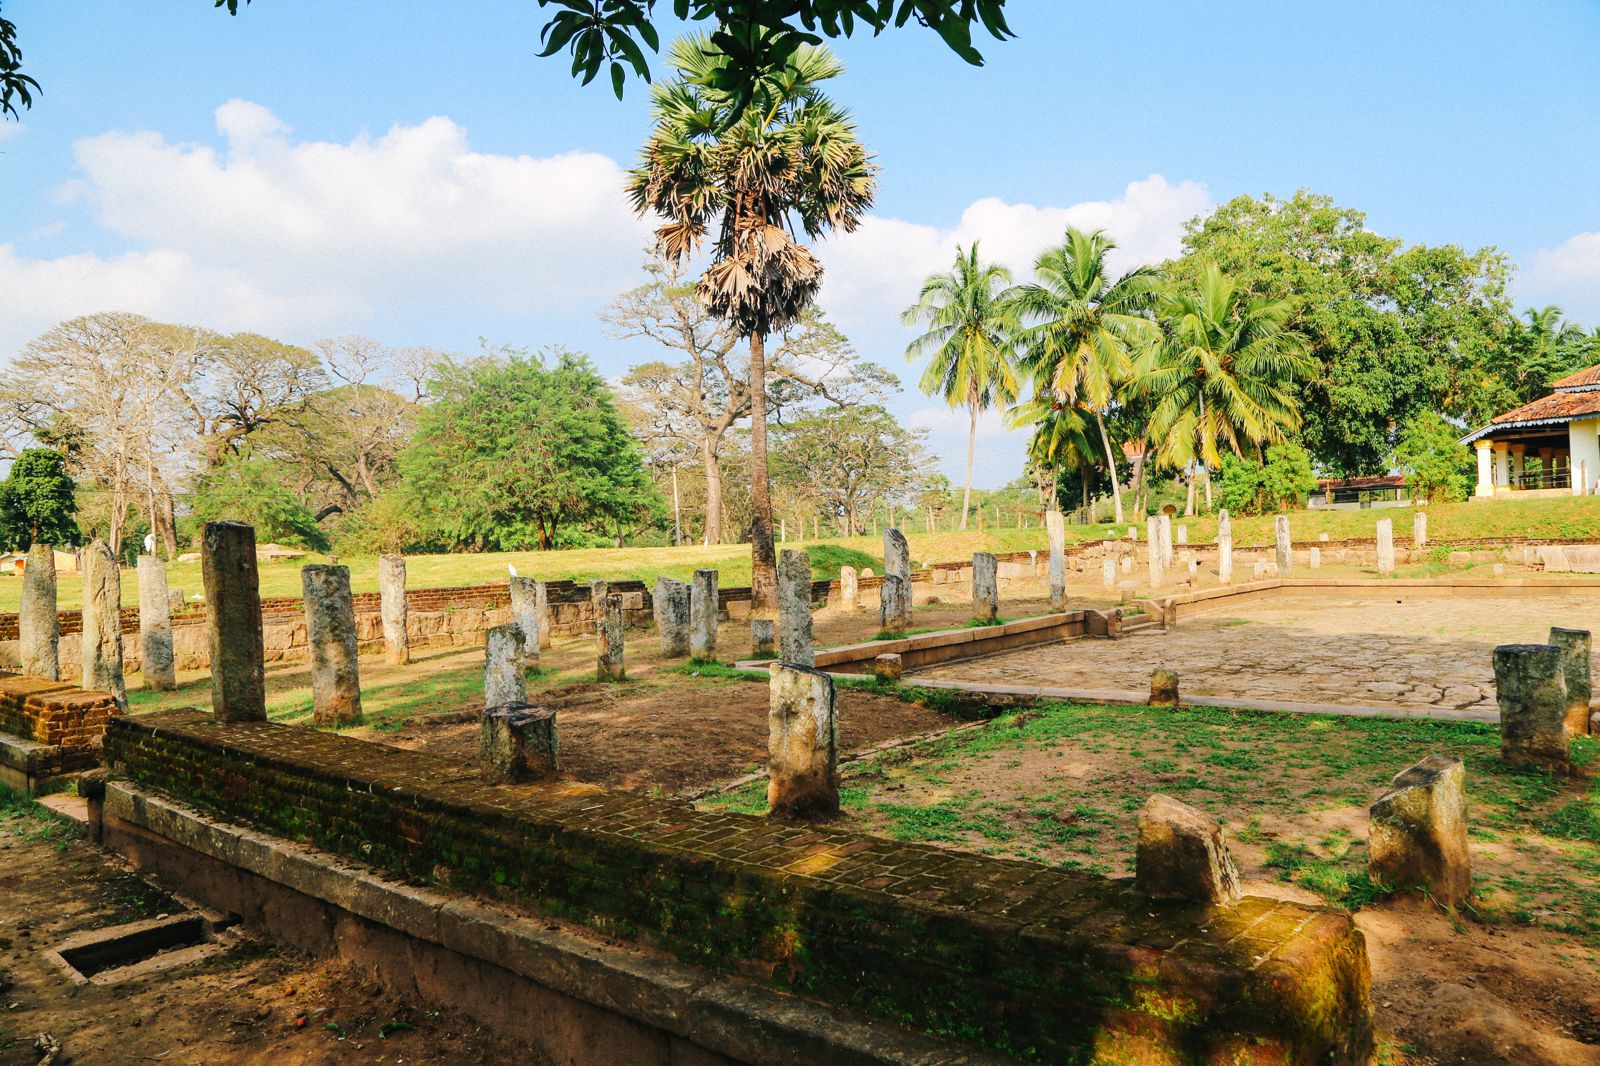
1563 517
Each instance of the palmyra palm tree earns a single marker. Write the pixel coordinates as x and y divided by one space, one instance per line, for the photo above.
1225 375
1082 329
745 179
971 340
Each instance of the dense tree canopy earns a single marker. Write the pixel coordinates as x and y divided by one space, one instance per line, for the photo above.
37 501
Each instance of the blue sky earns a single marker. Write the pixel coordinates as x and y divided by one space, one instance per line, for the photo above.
413 171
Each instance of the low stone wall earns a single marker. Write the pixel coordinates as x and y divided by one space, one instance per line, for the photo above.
1231 597
929 649
1038 962
48 728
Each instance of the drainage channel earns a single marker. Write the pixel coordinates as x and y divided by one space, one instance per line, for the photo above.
124 952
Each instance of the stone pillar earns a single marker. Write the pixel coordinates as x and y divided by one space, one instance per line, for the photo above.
802 743
1152 550
985 587
888 667
1385 547
1164 687
102 622
176 601
542 608
525 616
1417 831
671 604
331 637
794 609
609 663
1519 466
517 743
1183 535
1315 558
1419 529
1182 855
1280 527
1574 645
1531 686
1502 465
393 609
896 554
894 605
1056 533
1165 527
849 588
37 624
1485 487
598 591
233 622
1224 548
1108 572
503 678
763 638
155 626
703 607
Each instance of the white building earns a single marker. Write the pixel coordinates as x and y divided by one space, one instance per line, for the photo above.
1550 447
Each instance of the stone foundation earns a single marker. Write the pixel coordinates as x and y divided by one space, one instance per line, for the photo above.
47 729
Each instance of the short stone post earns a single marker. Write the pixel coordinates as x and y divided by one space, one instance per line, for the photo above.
503 678
331 637
393 610
703 607
1417 831
525 616
176 601
155 626
1280 527
1056 534
1531 686
38 626
233 622
1164 687
794 608
1224 548
896 554
517 743
102 622
598 591
1574 645
1183 855
671 606
894 607
1385 547
802 743
1183 535
1152 549
1126 565
888 667
1419 529
849 588
608 628
1314 558
1108 572
985 587
542 606
1165 528
763 638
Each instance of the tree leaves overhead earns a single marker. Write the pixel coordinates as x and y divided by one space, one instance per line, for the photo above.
37 502
16 88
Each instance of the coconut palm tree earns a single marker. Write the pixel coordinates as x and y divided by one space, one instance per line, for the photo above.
1082 329
1224 377
743 178
971 340
1063 439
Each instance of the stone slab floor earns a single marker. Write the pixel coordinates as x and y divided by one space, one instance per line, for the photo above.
1329 648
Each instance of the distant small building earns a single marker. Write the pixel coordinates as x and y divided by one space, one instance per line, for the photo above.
1550 447
15 563
1351 493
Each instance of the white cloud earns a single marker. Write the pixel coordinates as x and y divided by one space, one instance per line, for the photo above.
1567 275
299 237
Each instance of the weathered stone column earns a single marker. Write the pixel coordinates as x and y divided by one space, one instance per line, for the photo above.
1574 645
331 637
671 606
1280 526
102 623
609 662
233 622
1182 855
1152 550
598 591
1164 687
896 554
393 609
1531 686
1385 547
894 605
503 678
37 624
176 601
794 609
763 638
517 743
1419 529
1165 527
703 607
849 588
985 587
1224 548
155 626
1056 534
1183 535
1108 572
1314 558
1417 831
525 616
802 743
542 608
888 667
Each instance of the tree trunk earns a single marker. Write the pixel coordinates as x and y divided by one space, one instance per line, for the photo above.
1111 464
1206 473
1139 466
972 447
1188 504
763 557
712 460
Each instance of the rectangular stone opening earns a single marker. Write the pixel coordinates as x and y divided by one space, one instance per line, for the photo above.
108 956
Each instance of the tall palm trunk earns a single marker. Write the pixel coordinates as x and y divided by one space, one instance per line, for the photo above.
972 447
763 557
1111 464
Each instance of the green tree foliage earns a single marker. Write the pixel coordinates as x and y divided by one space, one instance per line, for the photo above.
38 502
1437 468
515 450
245 489
1544 346
15 87
848 462
1281 482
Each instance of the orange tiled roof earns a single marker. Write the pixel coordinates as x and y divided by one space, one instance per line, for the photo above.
1589 377
1558 406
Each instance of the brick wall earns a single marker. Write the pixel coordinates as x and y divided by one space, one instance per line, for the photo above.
53 713
1039 962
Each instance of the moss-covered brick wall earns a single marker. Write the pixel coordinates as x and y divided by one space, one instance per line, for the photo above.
1046 964
53 712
